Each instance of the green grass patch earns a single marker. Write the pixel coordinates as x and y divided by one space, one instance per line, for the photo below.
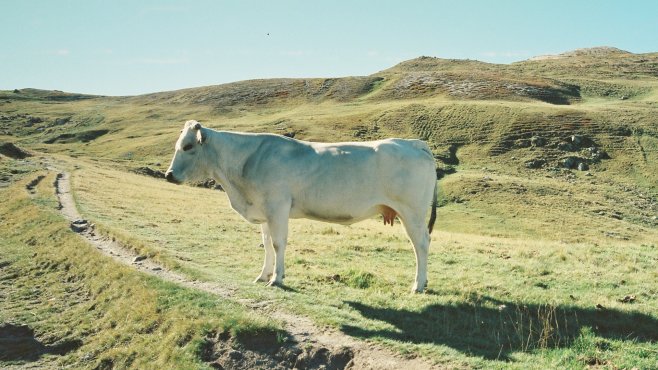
65 304
359 279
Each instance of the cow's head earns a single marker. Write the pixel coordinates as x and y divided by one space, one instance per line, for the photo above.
185 166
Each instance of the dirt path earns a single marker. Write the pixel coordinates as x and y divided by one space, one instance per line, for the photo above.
309 343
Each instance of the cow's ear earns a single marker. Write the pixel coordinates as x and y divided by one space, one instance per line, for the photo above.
200 136
196 126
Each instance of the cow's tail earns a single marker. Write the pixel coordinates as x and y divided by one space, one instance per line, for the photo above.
430 224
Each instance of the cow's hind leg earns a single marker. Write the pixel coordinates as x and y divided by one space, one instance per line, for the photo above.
420 238
278 227
268 264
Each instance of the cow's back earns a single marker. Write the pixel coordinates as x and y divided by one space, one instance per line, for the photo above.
353 179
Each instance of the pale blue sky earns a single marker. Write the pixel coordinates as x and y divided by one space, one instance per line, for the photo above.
126 47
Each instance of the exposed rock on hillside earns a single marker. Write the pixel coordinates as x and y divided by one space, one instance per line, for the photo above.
83 136
12 151
148 171
480 86
263 92
599 51
535 163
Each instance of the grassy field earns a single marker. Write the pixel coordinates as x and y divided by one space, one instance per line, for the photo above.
531 266
64 304
523 291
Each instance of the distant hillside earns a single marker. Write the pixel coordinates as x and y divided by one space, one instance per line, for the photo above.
522 114
47 95
557 79
273 91
563 79
601 51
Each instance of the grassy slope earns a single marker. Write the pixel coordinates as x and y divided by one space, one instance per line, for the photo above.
473 272
86 310
525 239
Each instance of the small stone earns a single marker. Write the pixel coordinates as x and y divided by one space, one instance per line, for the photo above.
576 139
156 268
61 121
139 258
79 226
569 162
538 141
235 355
535 163
564 146
628 299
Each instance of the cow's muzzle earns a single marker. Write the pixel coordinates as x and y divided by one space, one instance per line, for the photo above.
170 177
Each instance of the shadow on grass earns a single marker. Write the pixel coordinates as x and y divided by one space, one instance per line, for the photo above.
286 288
493 329
18 343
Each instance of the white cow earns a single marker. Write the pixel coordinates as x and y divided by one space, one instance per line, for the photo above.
271 178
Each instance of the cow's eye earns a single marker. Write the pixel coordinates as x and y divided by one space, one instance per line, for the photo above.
187 147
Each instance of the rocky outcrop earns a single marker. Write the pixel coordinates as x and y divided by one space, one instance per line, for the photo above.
12 151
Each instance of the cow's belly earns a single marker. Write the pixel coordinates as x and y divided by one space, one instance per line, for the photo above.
345 212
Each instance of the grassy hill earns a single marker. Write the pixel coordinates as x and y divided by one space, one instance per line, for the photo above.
549 206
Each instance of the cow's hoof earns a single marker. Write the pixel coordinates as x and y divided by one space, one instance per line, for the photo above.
263 278
275 283
418 288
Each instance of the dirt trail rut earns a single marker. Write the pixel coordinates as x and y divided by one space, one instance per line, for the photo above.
303 333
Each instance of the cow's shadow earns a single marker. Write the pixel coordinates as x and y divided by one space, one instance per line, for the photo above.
494 329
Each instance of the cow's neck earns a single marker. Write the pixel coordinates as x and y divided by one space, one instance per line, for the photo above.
228 153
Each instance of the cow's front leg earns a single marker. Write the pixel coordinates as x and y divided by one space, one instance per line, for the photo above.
278 227
268 264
